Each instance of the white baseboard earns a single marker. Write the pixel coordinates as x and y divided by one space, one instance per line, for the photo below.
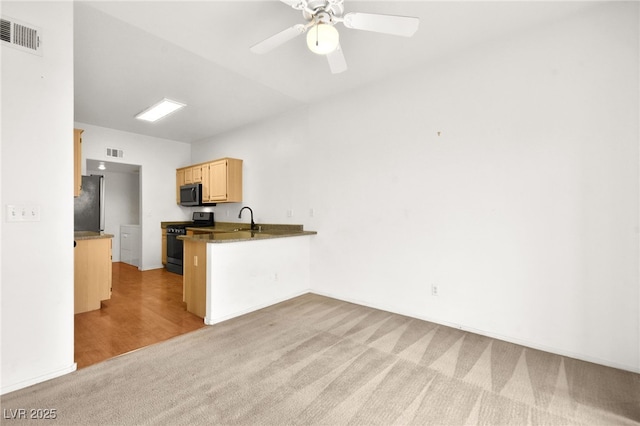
39 379
510 339
216 320
150 267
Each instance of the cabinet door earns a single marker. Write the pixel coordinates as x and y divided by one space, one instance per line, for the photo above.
195 277
77 161
107 267
164 246
218 180
188 175
206 195
92 273
86 283
234 180
179 183
196 174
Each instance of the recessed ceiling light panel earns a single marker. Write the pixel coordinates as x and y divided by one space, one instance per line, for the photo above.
159 110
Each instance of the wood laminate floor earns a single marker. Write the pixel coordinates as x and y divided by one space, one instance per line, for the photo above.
145 308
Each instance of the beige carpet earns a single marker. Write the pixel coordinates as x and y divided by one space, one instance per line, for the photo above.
315 360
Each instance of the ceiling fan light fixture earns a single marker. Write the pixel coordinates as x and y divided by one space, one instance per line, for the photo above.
323 39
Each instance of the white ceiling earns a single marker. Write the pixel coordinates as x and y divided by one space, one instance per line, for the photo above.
129 55
93 167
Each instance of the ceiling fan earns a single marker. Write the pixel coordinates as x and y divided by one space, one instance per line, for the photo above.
323 38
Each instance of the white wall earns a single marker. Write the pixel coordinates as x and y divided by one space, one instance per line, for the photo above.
247 276
122 203
37 153
523 210
159 159
275 169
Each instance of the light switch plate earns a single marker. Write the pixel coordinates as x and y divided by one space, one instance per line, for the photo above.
12 213
32 213
23 213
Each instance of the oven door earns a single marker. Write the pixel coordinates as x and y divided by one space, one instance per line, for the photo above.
174 253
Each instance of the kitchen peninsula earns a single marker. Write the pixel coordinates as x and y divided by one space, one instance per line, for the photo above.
230 270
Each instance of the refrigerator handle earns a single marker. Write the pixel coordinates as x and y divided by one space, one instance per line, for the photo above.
101 203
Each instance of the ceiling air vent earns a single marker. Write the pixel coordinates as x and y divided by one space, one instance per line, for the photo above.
116 153
22 36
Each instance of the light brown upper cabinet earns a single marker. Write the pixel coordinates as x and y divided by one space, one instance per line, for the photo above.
188 175
221 180
205 182
179 182
225 181
196 173
193 174
77 161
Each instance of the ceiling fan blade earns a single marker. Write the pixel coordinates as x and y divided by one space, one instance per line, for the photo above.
404 26
337 63
277 39
296 4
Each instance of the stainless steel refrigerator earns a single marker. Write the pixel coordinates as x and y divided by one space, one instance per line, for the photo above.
89 206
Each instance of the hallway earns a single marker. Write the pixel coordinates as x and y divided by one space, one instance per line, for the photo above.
145 308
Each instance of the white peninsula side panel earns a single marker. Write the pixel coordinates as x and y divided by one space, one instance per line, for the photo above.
246 276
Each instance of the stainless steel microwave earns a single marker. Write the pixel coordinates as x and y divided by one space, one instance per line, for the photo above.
191 195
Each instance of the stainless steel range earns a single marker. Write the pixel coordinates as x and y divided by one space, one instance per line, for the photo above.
175 249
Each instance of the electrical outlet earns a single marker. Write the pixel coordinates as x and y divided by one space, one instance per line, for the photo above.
311 212
434 290
290 213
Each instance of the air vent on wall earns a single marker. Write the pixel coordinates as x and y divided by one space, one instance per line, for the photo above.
116 153
22 36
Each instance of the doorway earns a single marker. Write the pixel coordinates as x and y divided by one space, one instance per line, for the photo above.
146 307
121 208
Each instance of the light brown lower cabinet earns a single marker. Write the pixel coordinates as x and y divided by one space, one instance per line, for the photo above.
92 273
164 246
194 277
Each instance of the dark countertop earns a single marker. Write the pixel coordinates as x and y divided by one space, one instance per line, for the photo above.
227 232
232 226
90 235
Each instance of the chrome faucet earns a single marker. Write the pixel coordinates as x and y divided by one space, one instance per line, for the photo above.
253 225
